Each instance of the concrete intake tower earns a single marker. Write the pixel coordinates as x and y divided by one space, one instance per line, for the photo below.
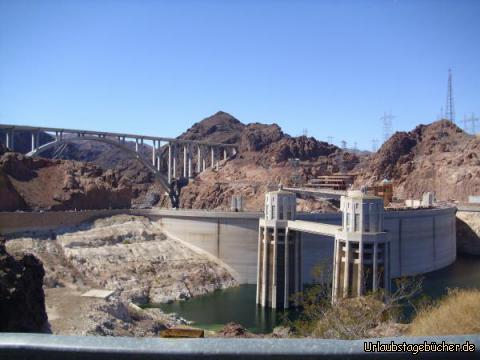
361 254
279 270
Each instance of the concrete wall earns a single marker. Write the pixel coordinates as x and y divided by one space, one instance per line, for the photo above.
421 240
232 240
13 222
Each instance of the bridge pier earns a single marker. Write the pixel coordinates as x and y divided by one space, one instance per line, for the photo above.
169 163
184 160
12 140
190 175
34 140
212 152
174 160
7 139
199 159
154 148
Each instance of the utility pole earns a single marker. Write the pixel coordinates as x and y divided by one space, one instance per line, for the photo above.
450 108
387 125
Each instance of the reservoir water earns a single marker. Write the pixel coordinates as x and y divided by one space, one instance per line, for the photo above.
237 304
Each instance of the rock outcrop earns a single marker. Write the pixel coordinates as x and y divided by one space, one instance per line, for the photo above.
262 163
22 300
437 157
39 183
128 254
468 232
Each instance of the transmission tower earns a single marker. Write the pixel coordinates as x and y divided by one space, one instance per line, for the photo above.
305 132
374 145
450 108
465 123
387 125
441 116
344 145
355 149
473 120
469 124
330 139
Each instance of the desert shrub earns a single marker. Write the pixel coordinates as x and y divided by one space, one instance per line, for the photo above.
458 312
352 318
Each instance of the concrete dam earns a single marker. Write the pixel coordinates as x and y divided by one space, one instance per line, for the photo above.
421 240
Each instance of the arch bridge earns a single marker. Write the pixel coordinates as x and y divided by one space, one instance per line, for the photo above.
179 151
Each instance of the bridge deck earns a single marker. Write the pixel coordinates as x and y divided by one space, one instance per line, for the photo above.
108 134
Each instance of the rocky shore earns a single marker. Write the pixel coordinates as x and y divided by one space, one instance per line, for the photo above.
128 255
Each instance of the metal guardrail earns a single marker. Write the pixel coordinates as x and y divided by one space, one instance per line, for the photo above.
52 347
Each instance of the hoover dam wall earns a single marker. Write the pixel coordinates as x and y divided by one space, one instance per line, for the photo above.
232 240
421 240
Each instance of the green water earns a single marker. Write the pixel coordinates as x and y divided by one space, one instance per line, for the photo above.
213 311
463 274
237 304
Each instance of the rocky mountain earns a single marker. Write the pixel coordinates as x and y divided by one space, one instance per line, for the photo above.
438 157
39 183
22 301
262 163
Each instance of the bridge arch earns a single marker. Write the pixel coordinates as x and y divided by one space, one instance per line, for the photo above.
132 153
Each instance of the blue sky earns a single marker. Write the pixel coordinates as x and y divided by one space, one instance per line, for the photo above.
156 67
